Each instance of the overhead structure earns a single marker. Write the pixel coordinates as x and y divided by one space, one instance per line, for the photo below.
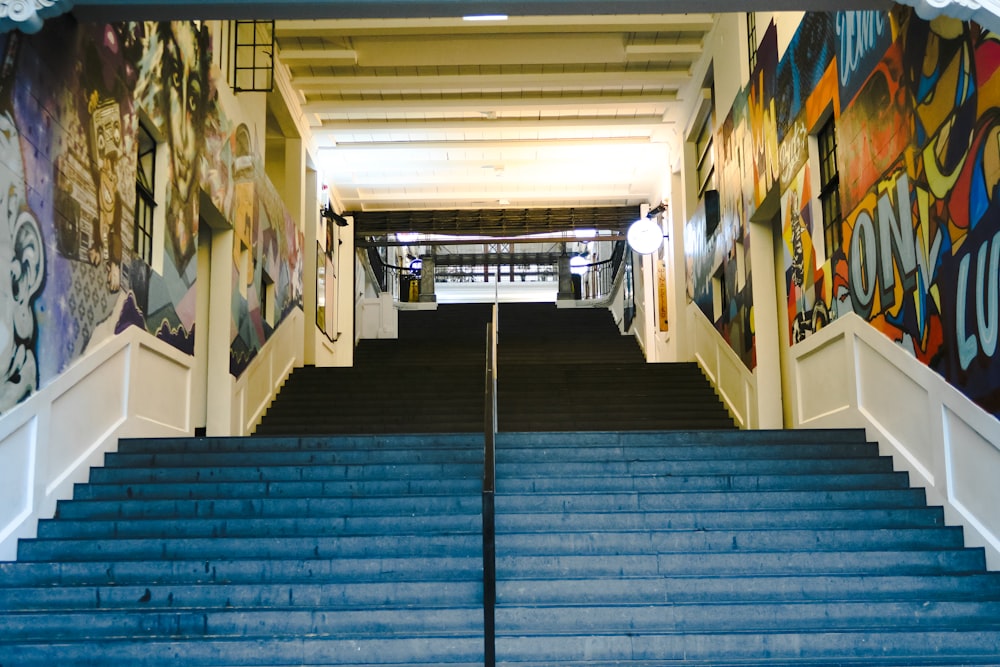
508 223
528 112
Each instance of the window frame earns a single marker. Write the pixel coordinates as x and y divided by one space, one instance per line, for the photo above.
144 223
829 185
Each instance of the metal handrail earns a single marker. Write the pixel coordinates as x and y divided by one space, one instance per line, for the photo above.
489 491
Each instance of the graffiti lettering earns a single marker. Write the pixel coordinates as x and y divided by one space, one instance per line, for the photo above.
793 151
896 242
895 250
862 264
859 33
986 289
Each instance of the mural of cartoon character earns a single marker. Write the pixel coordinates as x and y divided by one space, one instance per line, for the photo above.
106 143
807 311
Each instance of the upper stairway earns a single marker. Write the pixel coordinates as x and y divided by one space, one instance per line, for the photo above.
429 380
570 369
559 369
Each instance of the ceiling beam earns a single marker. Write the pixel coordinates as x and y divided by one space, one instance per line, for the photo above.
658 52
480 221
475 105
649 123
619 22
319 56
479 81
409 198
491 144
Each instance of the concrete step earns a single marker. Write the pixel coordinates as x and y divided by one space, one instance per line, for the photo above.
296 526
439 471
748 589
607 543
355 546
244 623
743 563
912 648
717 500
555 522
252 571
189 596
708 482
358 443
274 489
270 507
454 651
760 616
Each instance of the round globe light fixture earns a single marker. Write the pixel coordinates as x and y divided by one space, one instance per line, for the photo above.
578 265
644 236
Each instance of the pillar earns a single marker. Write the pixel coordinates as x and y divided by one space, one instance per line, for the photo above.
427 279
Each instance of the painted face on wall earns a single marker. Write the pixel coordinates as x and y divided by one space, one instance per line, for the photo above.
186 99
22 252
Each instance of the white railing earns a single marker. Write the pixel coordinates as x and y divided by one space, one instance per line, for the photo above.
734 383
254 390
848 375
132 385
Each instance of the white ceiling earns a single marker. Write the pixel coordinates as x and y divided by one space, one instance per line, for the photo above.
532 112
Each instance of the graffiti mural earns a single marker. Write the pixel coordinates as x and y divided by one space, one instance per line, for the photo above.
71 101
806 60
916 106
719 261
21 248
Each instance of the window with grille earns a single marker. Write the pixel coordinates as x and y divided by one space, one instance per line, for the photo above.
752 39
145 199
829 193
253 63
706 158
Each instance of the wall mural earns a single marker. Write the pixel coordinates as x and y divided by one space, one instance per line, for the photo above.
71 98
917 111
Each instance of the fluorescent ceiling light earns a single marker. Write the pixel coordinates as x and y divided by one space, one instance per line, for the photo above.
485 17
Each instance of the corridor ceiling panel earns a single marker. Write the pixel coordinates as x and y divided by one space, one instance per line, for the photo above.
533 112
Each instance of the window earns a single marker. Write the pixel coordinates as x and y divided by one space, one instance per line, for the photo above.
706 157
752 39
245 270
267 298
829 192
720 298
703 129
145 197
253 63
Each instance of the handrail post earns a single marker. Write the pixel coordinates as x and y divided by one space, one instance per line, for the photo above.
489 491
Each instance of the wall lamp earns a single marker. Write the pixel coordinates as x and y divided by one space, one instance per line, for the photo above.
328 214
644 235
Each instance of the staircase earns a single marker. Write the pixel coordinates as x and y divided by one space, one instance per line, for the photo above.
358 550
634 526
570 369
430 380
729 548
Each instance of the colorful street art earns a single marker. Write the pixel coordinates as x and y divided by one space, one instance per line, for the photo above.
71 100
917 112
